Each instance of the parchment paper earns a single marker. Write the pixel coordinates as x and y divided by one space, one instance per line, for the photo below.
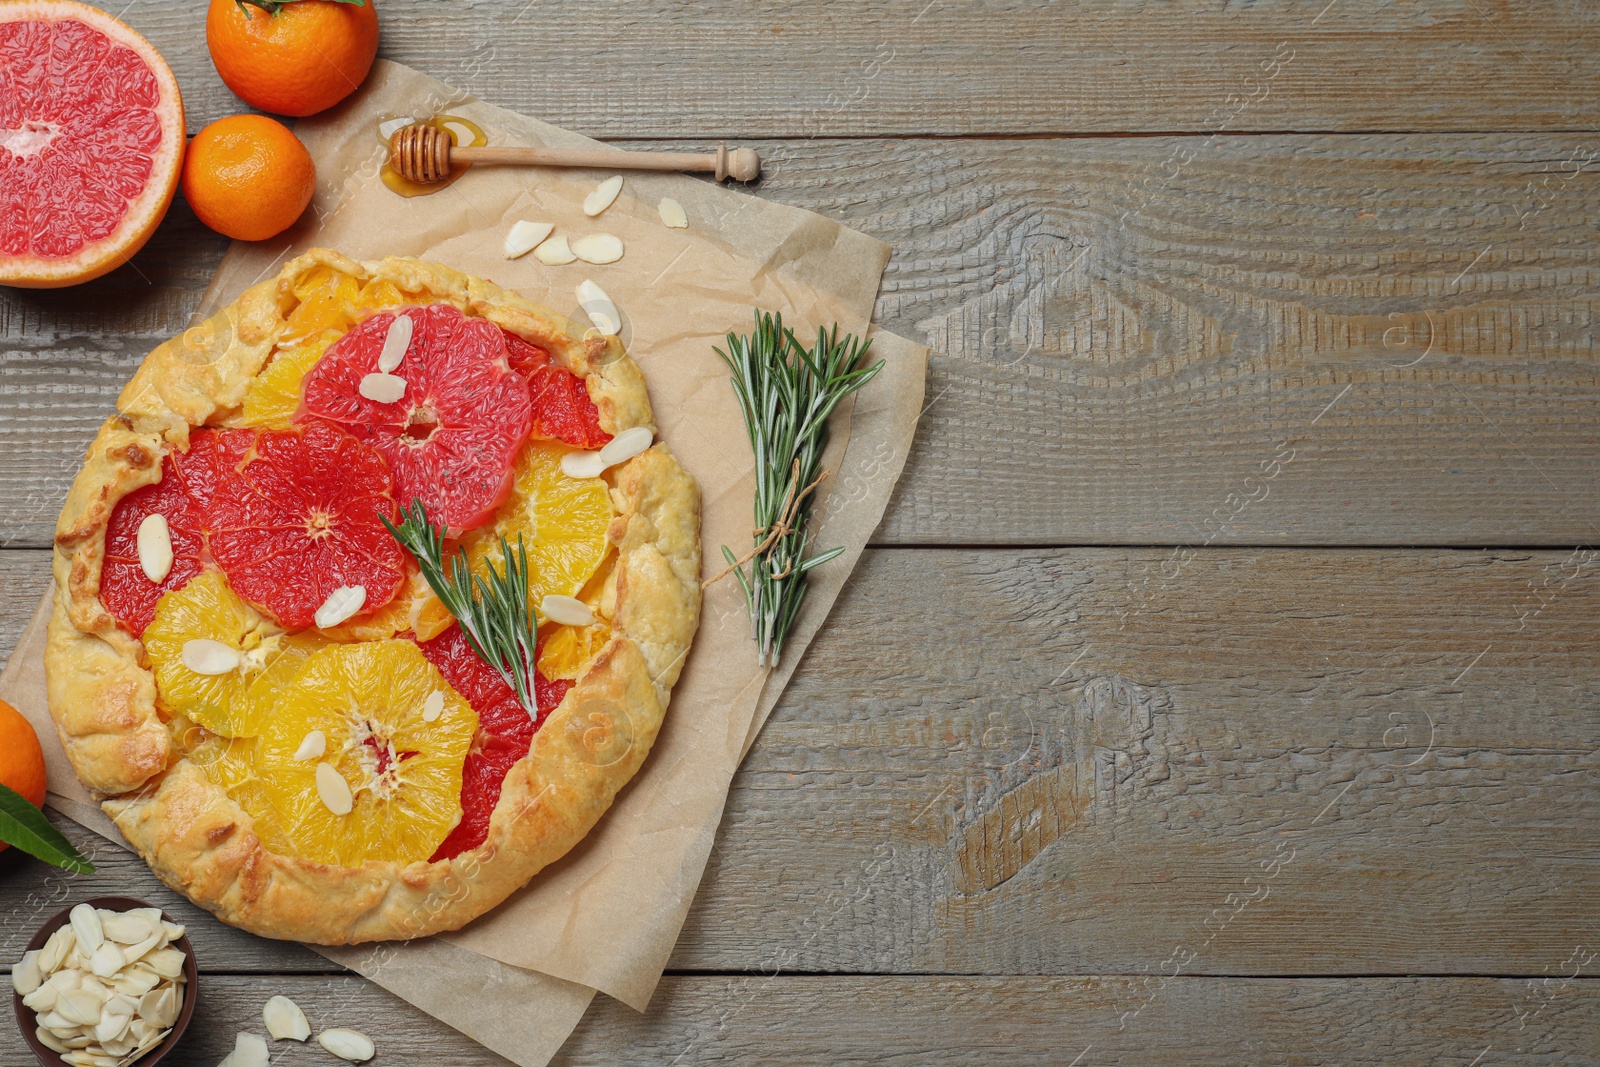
606 916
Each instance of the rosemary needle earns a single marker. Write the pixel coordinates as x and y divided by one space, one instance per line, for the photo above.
494 611
786 394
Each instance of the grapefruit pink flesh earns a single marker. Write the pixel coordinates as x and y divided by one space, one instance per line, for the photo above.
91 138
452 437
297 516
505 731
562 408
125 590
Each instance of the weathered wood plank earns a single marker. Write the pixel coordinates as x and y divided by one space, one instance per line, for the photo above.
1086 761
667 67
1118 362
779 1019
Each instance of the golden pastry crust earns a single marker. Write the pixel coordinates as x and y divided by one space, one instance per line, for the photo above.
197 838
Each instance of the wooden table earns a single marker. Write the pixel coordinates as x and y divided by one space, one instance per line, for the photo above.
1222 686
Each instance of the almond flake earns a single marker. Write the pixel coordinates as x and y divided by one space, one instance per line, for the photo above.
582 465
395 343
124 927
672 214
249 1050
382 387
433 707
155 547
86 926
626 445
25 976
598 306
555 253
107 960
603 196
205 656
349 1045
314 745
566 610
598 248
285 1020
525 236
333 790
342 603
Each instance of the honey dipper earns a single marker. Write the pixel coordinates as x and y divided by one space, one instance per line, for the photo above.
426 154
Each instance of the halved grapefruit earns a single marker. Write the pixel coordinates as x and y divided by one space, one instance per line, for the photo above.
91 139
454 432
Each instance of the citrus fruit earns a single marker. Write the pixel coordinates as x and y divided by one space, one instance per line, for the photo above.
21 758
91 136
274 394
504 733
415 611
295 58
248 177
562 521
237 702
562 408
452 437
298 516
567 649
404 772
125 590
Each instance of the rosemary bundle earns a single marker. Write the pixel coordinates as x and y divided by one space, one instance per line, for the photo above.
786 394
494 611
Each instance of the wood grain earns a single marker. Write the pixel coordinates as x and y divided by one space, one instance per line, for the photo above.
1117 361
782 1019
667 68
1099 761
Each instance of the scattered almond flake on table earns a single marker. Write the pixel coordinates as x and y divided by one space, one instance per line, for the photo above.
395 343
285 1020
155 547
333 790
202 655
603 196
672 214
566 610
598 306
555 252
342 603
433 707
349 1045
382 388
598 248
249 1050
312 746
626 445
525 236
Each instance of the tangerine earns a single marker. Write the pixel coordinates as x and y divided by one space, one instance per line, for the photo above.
21 757
248 177
300 516
292 58
452 437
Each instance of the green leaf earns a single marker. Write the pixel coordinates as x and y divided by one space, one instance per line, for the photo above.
24 826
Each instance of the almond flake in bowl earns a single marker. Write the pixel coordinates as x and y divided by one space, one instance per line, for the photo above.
125 1000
